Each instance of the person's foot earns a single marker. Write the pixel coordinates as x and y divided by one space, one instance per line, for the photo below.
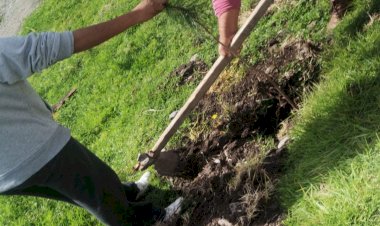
339 8
142 184
173 209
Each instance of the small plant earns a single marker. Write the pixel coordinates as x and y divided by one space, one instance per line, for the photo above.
191 17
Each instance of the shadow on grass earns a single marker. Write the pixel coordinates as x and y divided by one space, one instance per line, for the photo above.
160 197
344 129
352 123
358 19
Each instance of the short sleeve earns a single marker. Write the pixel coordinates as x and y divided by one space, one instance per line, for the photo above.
222 6
22 56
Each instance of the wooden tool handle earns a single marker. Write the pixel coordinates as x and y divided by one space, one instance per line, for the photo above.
211 76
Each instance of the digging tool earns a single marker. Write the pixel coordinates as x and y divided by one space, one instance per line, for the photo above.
166 163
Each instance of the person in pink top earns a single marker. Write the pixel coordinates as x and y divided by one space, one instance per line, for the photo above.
227 12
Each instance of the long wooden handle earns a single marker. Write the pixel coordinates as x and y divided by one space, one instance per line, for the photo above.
211 76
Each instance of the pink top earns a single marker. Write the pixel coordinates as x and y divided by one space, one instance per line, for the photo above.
222 6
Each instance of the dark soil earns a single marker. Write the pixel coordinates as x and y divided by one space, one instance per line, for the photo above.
219 190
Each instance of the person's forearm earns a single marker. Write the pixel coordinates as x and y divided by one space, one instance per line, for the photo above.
91 36
227 12
228 25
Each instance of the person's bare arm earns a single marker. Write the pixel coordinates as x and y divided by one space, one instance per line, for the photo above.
91 36
228 26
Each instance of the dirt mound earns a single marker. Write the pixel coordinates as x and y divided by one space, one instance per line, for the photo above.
190 71
226 173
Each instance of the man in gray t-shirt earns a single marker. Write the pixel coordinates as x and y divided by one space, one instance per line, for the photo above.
38 157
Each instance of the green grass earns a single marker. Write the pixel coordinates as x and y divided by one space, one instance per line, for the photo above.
291 21
333 169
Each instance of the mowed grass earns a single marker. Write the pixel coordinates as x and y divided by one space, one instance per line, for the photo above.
333 175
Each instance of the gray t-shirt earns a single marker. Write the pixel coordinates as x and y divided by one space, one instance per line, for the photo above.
29 137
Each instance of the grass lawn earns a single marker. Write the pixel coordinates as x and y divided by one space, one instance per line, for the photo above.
333 170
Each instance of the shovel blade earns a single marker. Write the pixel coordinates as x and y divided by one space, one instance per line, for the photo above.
168 163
